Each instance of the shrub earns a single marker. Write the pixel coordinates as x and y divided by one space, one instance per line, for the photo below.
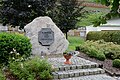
116 63
108 36
95 53
13 43
45 75
92 52
111 50
101 57
2 77
32 69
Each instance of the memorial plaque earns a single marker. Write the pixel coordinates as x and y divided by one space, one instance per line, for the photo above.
46 37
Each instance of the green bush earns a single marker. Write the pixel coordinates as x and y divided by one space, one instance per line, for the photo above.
116 63
2 77
101 57
92 52
12 44
45 75
32 69
95 53
111 50
108 36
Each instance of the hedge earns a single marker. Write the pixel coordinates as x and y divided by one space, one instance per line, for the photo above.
12 44
108 36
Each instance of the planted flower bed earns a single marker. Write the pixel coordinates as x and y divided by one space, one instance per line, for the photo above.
106 53
101 49
31 69
15 61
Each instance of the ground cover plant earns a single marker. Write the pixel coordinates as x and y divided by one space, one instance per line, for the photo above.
2 76
101 48
104 53
33 68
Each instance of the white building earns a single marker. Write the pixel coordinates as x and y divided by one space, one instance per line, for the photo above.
8 28
3 28
111 25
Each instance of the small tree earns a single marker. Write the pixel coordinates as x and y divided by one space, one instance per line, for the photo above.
68 13
21 12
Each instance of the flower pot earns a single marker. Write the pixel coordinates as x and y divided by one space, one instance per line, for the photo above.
67 57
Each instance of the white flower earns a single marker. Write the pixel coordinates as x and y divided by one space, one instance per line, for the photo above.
17 54
22 58
13 58
17 60
14 50
53 67
11 52
29 5
21 65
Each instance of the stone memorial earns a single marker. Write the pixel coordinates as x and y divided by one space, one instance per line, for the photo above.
45 37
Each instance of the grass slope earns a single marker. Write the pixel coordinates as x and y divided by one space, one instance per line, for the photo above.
74 41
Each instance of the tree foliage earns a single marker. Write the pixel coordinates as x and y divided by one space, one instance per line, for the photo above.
69 11
21 12
64 13
90 19
115 10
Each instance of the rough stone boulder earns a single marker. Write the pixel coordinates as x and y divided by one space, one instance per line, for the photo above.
33 29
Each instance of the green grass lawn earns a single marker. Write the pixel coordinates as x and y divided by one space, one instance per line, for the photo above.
73 42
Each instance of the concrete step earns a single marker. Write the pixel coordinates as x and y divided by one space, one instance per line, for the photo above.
91 77
77 73
77 63
73 67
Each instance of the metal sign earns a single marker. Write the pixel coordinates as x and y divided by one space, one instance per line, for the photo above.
46 36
